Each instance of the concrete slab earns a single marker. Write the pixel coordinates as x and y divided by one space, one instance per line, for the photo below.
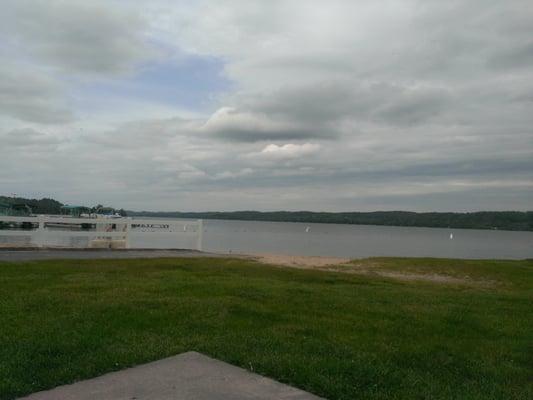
21 255
188 376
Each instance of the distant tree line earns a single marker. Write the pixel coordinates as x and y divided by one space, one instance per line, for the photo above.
42 206
54 207
503 220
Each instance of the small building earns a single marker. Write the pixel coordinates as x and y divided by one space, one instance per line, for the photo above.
109 211
15 209
75 211
4 208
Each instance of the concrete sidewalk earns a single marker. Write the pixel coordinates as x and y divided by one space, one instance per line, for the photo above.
15 255
188 376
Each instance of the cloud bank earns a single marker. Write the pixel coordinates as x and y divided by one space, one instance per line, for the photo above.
339 105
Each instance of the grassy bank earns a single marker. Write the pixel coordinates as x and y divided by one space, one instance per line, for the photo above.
339 335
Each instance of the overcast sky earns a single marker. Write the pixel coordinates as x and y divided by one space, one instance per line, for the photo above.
229 105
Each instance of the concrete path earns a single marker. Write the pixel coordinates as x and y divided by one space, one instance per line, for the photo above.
59 254
188 376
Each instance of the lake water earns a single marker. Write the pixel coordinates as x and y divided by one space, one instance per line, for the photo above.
363 240
354 241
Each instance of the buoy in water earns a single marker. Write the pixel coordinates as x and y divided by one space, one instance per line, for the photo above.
451 236
307 229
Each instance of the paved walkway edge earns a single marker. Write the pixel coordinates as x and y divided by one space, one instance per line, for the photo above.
188 376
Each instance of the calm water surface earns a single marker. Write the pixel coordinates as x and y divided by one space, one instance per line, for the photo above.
353 241
363 240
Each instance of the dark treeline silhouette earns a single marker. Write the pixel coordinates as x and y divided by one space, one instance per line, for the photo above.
41 206
504 220
51 206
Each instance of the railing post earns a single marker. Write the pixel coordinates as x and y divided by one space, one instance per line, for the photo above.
200 240
40 239
128 229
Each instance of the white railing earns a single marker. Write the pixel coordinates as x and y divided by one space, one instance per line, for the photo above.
62 231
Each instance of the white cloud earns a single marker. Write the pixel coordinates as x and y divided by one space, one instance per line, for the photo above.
289 150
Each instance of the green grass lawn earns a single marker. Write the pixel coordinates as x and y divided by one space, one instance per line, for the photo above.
338 335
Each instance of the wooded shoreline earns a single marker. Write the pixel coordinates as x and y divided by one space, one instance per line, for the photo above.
501 220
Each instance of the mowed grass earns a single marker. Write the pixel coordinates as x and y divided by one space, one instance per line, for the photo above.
338 335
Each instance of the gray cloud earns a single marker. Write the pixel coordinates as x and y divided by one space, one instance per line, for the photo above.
31 96
245 125
414 107
319 110
140 133
317 102
335 106
516 57
28 137
76 36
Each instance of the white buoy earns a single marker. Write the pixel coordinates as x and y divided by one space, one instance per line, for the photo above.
451 236
307 229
